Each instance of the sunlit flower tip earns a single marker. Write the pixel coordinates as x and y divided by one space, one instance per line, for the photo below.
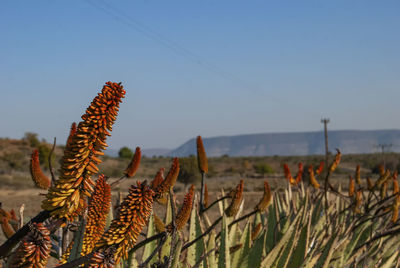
169 180
98 209
266 199
206 196
351 186
395 187
256 231
134 164
184 212
384 190
72 133
38 177
395 211
236 200
313 180
336 162
201 156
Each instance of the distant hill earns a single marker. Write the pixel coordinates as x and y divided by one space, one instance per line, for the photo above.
299 143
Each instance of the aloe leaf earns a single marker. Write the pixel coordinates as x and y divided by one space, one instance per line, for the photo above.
150 247
177 253
300 251
223 258
132 262
78 240
196 251
238 256
211 260
166 248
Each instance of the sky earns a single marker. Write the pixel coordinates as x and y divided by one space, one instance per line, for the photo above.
205 68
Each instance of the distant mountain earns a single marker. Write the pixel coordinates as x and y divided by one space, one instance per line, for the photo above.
300 143
146 152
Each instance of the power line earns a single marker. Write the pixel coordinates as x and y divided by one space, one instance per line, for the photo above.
166 42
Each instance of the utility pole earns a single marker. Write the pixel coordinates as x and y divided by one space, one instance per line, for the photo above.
325 121
385 147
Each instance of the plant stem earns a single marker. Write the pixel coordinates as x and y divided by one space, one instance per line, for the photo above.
203 179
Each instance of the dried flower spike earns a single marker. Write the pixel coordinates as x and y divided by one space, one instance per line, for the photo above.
80 159
98 209
169 180
336 162
34 249
358 175
184 212
266 199
351 186
6 227
132 216
313 180
233 208
201 156
38 177
158 223
134 164
158 179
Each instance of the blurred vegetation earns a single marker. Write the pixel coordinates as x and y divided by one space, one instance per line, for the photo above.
125 152
189 171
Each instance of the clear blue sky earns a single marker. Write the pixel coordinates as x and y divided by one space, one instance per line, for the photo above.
200 67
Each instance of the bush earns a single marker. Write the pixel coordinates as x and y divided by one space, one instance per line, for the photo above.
125 152
263 169
189 171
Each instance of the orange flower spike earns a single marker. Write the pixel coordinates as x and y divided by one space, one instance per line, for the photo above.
395 187
72 133
170 179
38 177
266 199
320 168
383 178
15 220
34 249
134 164
201 156
313 180
299 173
183 214
80 160
351 186
98 210
132 215
336 162
381 169
233 208
206 196
384 190
288 175
6 227
358 175
158 179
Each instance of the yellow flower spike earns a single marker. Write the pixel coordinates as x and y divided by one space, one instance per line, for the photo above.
313 180
336 162
351 186
80 158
